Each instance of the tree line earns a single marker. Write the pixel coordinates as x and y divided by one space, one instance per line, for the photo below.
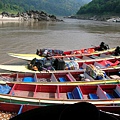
100 7
56 7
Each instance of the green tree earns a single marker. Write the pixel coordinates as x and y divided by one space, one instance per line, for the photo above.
100 7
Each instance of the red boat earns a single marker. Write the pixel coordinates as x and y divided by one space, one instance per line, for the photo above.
26 93
59 65
11 111
91 75
101 47
53 52
79 57
62 112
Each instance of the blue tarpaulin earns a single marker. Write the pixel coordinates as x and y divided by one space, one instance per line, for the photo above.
4 89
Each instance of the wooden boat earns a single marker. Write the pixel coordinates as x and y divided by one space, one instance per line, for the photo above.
10 110
73 111
87 58
80 56
25 56
16 111
89 76
92 50
69 66
25 93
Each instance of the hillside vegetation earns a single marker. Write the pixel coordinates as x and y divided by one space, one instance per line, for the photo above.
56 7
101 7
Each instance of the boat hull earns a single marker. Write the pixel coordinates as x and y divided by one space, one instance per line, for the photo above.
61 94
24 68
63 78
30 57
68 111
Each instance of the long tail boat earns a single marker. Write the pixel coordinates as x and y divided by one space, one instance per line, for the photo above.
81 56
96 50
91 75
16 111
25 93
62 112
68 66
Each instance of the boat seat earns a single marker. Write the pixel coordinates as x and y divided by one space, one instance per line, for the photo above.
69 95
75 94
110 96
93 96
62 79
28 79
81 68
116 93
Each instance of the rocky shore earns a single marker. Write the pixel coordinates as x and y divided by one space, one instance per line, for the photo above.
5 18
28 16
112 18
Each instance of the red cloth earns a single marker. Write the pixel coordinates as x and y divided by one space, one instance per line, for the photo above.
105 63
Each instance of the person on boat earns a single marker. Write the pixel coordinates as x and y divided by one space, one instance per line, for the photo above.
103 46
39 52
117 51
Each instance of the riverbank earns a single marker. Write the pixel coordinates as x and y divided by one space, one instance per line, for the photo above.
114 18
4 18
29 16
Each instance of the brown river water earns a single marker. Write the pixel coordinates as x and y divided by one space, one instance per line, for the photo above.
26 37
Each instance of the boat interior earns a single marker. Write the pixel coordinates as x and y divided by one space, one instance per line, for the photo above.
9 110
62 92
91 73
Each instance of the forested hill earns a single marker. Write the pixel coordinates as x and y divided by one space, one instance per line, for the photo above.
56 7
103 7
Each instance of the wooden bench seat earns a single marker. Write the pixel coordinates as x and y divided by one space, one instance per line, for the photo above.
93 96
62 79
110 96
75 94
116 93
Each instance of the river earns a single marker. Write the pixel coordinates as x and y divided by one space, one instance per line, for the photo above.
26 37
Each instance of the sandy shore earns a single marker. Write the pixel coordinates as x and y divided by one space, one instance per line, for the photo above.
10 18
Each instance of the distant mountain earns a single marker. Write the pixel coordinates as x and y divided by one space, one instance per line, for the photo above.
56 7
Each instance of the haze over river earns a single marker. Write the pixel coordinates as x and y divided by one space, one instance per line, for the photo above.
26 37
